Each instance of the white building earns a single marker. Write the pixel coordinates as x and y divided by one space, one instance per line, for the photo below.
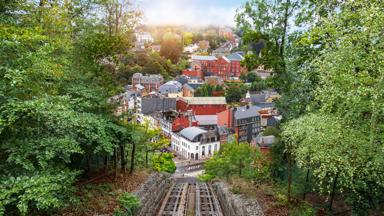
195 143
144 37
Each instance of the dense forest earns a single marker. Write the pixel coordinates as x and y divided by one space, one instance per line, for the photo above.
329 67
58 69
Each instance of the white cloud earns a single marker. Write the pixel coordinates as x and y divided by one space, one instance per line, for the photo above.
185 12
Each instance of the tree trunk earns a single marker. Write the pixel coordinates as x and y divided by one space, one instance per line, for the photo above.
132 158
305 186
106 163
289 170
286 15
122 158
115 161
333 192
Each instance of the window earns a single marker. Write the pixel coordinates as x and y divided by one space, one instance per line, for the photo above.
215 147
197 147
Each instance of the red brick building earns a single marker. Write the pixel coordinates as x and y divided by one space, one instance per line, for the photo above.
223 67
193 73
150 83
182 122
201 105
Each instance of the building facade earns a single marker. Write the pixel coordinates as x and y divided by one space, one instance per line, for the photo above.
245 121
194 143
153 103
201 105
225 67
150 83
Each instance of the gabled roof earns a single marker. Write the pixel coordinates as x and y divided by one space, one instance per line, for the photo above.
235 57
204 58
226 59
244 112
139 86
206 119
191 132
192 86
205 100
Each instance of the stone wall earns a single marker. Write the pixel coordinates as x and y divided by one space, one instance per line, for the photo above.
152 192
234 204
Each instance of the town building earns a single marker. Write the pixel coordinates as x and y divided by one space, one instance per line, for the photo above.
124 102
171 89
151 103
201 105
150 83
172 121
236 68
193 73
189 89
265 142
194 143
244 120
213 80
225 67
144 37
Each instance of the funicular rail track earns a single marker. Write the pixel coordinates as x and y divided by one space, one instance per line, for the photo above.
190 199
206 201
175 201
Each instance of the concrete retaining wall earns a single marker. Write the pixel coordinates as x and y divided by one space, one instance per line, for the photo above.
152 192
234 204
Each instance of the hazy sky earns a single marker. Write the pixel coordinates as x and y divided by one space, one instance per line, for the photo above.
189 12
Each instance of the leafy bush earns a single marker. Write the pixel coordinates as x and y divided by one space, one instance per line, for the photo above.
163 163
206 177
238 160
129 204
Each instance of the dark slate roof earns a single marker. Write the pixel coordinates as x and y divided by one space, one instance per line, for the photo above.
235 57
265 105
243 112
258 98
182 80
191 132
170 87
194 85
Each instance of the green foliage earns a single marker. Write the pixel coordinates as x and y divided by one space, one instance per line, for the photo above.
54 88
235 92
129 204
238 160
259 86
250 77
346 128
163 162
268 131
206 177
171 49
207 90
45 189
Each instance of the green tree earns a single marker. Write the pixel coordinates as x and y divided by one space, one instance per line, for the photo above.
345 129
235 92
265 26
54 113
235 159
187 38
259 86
163 162
171 49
